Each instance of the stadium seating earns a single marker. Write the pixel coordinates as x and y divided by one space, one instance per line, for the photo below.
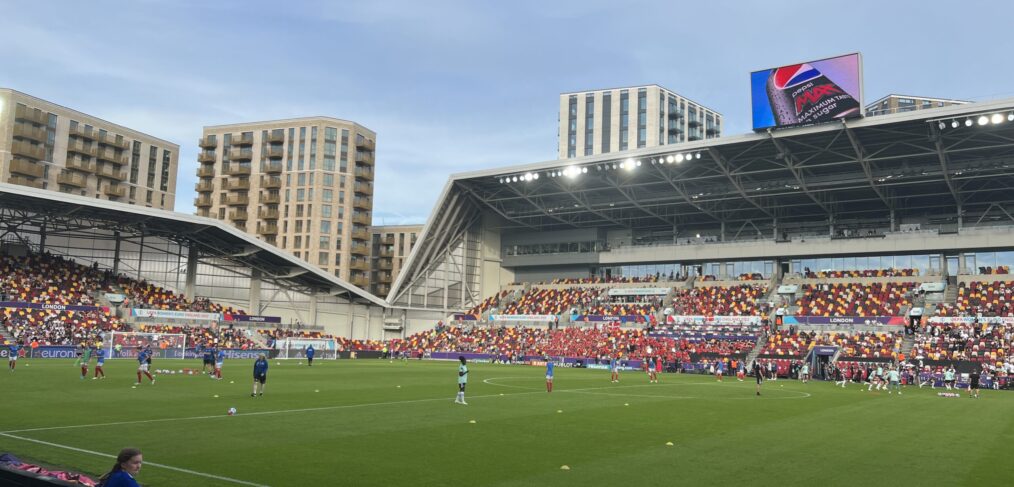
48 279
988 298
863 345
141 294
853 299
788 345
553 301
860 273
981 342
204 336
52 327
741 300
1003 269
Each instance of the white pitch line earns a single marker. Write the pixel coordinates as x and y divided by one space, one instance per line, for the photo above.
159 465
259 413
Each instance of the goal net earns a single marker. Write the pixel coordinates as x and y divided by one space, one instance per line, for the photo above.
324 348
125 344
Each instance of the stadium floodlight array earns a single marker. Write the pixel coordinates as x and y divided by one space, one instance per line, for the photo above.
981 120
574 171
124 344
295 348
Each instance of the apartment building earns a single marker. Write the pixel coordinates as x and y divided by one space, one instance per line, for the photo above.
904 103
304 185
602 121
49 146
391 246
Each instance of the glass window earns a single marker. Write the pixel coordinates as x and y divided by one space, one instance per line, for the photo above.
325 211
325 226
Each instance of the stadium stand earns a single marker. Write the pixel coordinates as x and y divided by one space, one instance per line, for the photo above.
204 336
53 327
141 294
854 299
49 279
741 300
978 342
974 298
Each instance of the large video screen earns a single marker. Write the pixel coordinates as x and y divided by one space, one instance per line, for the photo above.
807 93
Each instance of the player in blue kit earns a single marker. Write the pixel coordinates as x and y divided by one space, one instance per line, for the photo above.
309 355
260 374
219 362
143 363
549 375
614 367
100 361
12 356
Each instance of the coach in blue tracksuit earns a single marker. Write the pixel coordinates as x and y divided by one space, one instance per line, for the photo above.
309 355
260 374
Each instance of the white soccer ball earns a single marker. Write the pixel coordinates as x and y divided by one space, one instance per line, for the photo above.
232 411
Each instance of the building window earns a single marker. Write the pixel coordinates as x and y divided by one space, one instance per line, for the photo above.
327 195
329 180
589 123
624 119
572 126
164 181
152 160
607 109
642 117
135 162
323 258
661 118
325 211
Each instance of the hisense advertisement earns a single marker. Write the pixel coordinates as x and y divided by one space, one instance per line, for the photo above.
808 93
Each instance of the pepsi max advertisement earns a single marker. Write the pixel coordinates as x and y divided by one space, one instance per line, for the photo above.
808 93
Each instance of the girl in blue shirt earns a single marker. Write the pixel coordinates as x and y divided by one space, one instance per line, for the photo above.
128 464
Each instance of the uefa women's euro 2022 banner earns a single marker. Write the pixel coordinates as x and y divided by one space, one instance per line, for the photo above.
808 93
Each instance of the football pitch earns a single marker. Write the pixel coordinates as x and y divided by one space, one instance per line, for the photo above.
374 423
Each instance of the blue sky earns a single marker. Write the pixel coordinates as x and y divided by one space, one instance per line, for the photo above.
458 86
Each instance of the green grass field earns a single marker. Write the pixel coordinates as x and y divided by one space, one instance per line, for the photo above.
377 423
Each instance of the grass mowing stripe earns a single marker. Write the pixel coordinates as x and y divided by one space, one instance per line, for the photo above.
159 465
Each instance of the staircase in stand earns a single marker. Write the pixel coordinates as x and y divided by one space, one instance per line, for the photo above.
761 341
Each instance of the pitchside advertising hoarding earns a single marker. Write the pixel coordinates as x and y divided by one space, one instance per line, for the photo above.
808 93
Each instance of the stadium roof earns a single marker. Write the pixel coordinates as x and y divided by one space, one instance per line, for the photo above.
922 163
72 215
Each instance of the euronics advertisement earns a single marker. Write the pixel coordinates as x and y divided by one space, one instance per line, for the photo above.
808 93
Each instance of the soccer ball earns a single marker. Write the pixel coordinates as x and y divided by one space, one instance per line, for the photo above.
232 411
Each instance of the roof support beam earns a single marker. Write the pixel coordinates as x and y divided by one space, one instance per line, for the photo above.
938 143
540 207
725 168
678 187
635 202
496 209
793 166
584 202
865 164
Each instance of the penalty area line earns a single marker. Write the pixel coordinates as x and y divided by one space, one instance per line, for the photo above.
153 464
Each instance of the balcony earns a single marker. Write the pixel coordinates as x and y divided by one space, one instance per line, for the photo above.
78 147
240 154
110 155
364 157
238 170
271 199
267 228
381 289
207 142
80 131
360 249
237 184
240 215
32 115
27 131
36 152
114 191
275 136
273 152
271 167
112 140
359 280
386 252
244 139
68 178
205 186
694 122
388 240
237 200
362 203
27 168
205 157
111 173
79 164
360 233
382 277
202 201
711 131
362 218
386 264
675 115
267 213
23 181
364 188
206 172
365 144
271 182
359 265
363 172
675 130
